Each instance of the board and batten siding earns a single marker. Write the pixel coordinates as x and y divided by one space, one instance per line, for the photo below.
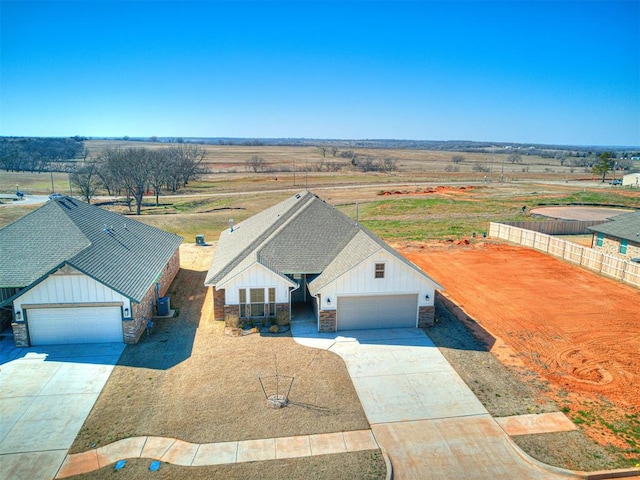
399 278
256 276
70 289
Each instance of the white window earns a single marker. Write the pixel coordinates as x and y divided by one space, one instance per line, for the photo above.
379 270
257 302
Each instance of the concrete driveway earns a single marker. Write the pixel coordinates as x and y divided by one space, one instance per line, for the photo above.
429 422
46 394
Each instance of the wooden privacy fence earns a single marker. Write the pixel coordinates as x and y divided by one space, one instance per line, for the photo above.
610 265
557 227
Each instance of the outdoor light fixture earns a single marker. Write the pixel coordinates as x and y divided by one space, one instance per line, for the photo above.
328 301
126 312
18 315
426 296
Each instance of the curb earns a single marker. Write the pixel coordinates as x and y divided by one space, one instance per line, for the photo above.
387 462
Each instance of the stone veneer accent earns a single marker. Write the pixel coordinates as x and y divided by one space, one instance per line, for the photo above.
611 246
426 316
218 304
143 311
283 313
20 335
327 320
232 315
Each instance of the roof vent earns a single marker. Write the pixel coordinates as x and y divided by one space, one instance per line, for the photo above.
297 195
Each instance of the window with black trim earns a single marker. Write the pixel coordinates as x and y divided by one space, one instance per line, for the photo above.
379 270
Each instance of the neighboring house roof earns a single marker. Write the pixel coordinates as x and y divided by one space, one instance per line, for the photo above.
123 254
302 234
625 227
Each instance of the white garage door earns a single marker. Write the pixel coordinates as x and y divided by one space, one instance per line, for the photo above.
57 326
377 311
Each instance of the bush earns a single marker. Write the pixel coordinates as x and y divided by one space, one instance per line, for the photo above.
481 167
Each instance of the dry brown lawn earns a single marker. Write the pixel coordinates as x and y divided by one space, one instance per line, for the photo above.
365 465
187 380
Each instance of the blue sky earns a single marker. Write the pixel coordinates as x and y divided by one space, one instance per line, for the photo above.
505 71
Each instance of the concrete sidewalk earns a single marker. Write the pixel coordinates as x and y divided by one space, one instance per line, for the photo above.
178 452
421 412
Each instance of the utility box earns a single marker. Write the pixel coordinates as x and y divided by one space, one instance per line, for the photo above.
163 306
199 239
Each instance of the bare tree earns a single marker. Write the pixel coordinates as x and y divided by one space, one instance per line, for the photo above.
389 164
129 169
137 164
480 167
457 158
334 151
255 164
159 175
187 162
109 170
515 158
87 180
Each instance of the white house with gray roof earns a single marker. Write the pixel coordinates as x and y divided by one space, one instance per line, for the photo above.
76 273
304 251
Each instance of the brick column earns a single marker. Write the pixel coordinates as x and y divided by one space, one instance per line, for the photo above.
426 316
283 315
327 320
218 304
20 335
232 315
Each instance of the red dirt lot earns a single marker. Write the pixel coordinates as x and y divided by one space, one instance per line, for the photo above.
578 331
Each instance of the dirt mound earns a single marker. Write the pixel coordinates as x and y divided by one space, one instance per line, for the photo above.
427 191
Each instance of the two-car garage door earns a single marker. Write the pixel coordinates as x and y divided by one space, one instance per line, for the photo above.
53 326
377 311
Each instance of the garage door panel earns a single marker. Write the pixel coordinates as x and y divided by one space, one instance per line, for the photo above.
377 311
52 326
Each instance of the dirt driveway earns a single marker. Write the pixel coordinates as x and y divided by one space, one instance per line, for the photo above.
576 330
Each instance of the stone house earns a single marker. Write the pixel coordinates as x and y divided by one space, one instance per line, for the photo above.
620 236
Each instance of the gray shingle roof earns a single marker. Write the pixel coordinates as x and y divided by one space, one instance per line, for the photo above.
302 234
122 253
310 241
625 226
241 245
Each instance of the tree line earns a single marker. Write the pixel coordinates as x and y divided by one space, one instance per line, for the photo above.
26 154
134 171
